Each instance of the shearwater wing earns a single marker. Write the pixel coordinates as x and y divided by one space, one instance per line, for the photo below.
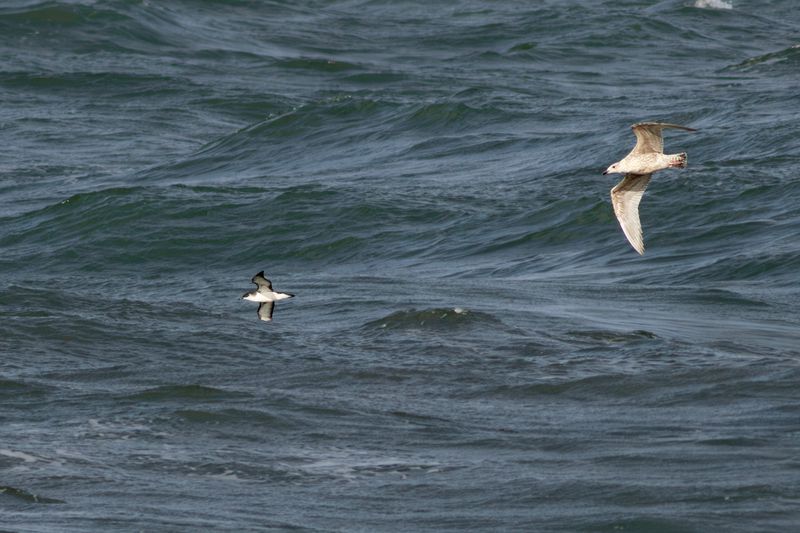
261 281
625 198
265 311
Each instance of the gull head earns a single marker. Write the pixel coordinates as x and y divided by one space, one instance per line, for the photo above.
613 169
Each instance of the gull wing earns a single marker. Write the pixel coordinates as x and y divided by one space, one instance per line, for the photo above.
261 281
265 311
648 136
625 198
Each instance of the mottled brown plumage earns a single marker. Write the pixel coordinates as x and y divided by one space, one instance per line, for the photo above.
638 166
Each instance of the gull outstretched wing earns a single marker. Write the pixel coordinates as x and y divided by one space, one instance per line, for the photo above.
625 198
649 138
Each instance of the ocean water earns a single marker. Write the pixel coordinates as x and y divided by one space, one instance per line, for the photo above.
473 344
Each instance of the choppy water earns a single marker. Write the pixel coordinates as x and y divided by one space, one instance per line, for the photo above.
473 344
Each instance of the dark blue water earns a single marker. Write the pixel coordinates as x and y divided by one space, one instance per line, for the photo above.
473 345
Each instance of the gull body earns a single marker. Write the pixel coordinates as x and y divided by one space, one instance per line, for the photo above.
638 166
265 296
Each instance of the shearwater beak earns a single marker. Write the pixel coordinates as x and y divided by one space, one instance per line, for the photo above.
605 172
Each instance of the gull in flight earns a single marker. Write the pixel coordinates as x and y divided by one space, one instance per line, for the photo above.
265 295
646 157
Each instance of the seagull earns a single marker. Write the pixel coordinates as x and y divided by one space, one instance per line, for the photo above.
646 157
265 295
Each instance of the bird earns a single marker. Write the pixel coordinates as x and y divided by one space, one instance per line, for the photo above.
638 166
265 295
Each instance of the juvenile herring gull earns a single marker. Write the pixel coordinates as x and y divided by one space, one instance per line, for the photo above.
646 157
265 295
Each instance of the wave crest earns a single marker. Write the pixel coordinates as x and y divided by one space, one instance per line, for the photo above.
432 319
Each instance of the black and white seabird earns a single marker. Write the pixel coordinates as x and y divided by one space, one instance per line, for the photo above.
265 295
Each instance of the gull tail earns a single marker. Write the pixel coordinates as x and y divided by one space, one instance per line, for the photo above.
678 160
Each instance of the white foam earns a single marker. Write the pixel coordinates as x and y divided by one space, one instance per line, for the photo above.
712 4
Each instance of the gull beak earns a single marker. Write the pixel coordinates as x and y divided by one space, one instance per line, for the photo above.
605 172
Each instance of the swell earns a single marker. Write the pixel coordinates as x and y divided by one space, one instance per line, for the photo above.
785 60
86 28
173 225
165 227
118 27
436 319
25 496
356 136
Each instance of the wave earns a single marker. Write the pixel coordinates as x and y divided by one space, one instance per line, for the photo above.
146 224
12 389
233 416
611 337
122 27
316 64
184 392
306 140
26 496
787 58
435 319
780 267
592 387
56 14
341 134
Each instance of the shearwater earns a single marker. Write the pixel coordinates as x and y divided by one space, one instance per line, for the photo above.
638 166
265 295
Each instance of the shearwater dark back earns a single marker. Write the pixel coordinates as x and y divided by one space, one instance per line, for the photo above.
473 344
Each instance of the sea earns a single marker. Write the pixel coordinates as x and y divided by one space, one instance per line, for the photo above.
473 344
